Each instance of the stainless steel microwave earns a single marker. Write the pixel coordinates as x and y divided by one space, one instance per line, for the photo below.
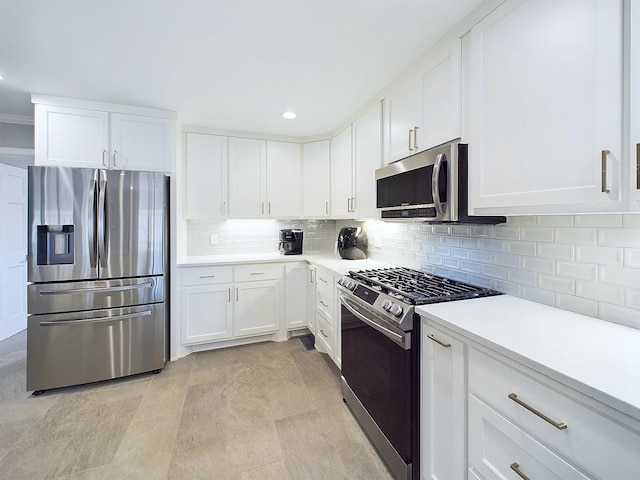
430 186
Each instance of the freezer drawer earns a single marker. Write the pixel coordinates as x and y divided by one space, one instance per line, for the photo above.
44 298
75 348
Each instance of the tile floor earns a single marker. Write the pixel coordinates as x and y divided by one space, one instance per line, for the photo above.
263 411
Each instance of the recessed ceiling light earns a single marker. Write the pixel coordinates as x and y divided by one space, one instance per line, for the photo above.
289 115
1 77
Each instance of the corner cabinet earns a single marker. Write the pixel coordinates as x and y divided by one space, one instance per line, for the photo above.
355 156
316 184
296 295
76 133
264 179
206 176
634 106
544 108
425 111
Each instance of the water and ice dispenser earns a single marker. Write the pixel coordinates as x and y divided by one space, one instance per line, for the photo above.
55 245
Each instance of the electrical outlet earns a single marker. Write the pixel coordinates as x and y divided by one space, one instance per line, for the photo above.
214 239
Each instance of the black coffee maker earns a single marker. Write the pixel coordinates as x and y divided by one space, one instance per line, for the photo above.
290 241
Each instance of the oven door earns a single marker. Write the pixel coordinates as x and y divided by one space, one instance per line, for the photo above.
378 365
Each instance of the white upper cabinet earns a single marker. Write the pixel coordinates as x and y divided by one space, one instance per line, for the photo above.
316 186
264 179
545 107
367 157
247 165
284 178
634 141
206 176
98 136
425 111
342 175
355 156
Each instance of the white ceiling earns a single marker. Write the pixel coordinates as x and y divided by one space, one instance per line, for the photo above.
226 64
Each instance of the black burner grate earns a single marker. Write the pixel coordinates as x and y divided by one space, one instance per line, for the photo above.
419 288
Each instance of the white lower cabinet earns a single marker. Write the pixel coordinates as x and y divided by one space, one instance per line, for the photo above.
327 315
310 285
223 303
443 404
485 417
296 295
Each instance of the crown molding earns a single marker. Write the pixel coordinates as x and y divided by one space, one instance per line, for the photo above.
20 119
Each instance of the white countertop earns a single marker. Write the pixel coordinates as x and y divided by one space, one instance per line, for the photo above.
330 261
598 358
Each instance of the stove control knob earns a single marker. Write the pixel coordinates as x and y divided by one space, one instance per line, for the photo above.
387 304
396 310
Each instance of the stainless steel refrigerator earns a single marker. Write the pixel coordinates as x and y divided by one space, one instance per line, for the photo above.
97 275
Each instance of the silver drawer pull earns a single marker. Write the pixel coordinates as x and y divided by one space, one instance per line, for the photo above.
603 158
322 279
324 334
207 276
322 302
558 425
256 273
433 337
516 468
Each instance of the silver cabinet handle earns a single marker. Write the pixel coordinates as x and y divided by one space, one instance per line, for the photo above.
207 276
322 302
105 158
229 294
256 273
262 209
415 138
558 425
324 334
236 294
269 208
311 276
322 279
433 337
603 180
326 208
224 207
637 166
516 468
410 132
115 158
353 204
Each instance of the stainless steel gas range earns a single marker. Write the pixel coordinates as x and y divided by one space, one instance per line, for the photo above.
381 357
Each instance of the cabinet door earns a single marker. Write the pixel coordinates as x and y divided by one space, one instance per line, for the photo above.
71 137
316 187
545 107
296 295
341 175
634 111
367 157
443 405
207 313
247 164
284 177
205 176
402 115
141 143
441 82
311 298
257 308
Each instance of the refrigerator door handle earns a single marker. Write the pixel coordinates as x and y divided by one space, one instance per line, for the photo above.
97 289
52 323
102 221
93 259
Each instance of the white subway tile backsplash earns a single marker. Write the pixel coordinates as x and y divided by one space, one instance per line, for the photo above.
632 257
507 233
481 256
460 253
598 221
443 251
492 244
619 237
521 221
521 277
470 243
508 288
554 220
585 271
537 295
540 265
579 236
472 267
628 277
600 255
585 306
462 230
600 292
632 298
451 241
521 248
481 230
451 263
493 271
557 284
555 251
536 234
631 220
619 314
506 260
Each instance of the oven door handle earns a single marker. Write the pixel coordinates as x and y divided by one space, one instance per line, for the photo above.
402 340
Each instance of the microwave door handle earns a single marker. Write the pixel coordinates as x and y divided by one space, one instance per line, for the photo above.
435 185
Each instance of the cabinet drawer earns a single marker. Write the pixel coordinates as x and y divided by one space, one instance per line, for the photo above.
205 275
591 439
497 448
325 335
256 272
324 304
326 282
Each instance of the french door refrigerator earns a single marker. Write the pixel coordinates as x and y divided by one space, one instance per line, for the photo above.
97 275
